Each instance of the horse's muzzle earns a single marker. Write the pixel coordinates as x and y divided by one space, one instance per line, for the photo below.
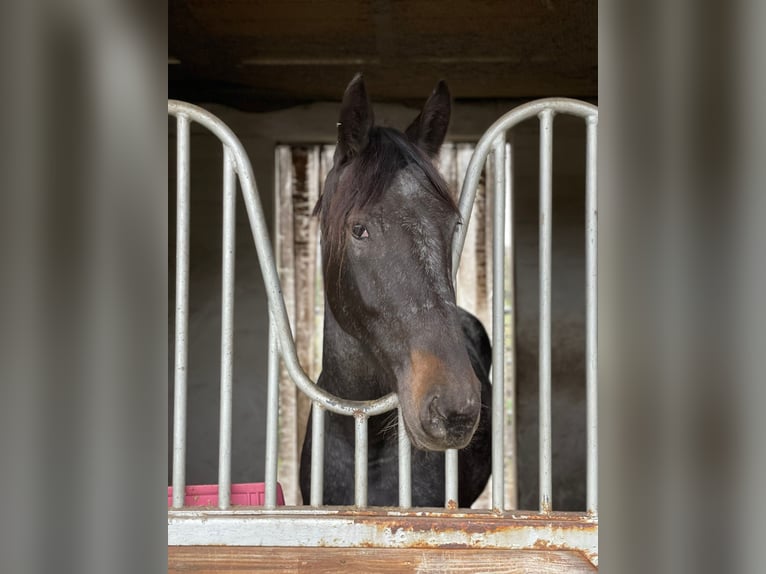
441 401
450 419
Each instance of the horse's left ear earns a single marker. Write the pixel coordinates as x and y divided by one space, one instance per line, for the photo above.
429 129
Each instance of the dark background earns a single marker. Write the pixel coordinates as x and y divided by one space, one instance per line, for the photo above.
258 56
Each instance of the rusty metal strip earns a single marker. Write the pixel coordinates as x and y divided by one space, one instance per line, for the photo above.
392 529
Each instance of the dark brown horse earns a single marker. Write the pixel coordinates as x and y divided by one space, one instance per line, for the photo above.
391 321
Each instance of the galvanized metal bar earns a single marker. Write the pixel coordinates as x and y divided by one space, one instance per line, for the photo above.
227 329
360 461
544 108
317 454
182 309
591 257
272 418
450 478
498 326
405 465
512 484
271 281
546 238
484 146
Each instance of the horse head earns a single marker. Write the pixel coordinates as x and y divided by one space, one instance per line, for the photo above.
388 222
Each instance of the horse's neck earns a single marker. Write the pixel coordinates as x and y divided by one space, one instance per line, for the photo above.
348 369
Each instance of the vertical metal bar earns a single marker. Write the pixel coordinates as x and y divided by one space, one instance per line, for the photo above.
227 328
546 236
272 418
182 311
591 256
405 465
511 490
317 455
360 456
450 482
498 326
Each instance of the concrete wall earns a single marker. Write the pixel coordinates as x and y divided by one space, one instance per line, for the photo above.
316 124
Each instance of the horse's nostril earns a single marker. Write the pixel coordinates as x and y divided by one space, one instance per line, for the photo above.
436 428
449 418
435 408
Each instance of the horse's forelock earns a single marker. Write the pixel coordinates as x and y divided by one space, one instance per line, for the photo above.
366 177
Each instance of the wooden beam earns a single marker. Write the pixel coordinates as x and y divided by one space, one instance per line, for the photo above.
227 559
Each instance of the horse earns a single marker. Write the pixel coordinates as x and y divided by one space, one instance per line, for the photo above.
391 323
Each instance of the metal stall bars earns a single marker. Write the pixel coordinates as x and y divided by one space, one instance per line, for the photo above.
283 527
281 343
494 140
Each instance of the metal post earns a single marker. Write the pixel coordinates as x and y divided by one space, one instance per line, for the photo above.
227 328
591 225
317 454
405 464
360 456
272 418
546 226
182 310
450 482
498 326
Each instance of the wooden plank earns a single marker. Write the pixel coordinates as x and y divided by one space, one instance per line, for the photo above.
474 279
230 559
297 251
305 193
288 393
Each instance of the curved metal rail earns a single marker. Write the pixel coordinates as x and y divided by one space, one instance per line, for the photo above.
494 141
281 343
280 336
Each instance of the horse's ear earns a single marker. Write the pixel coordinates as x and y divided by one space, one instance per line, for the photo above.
356 119
429 129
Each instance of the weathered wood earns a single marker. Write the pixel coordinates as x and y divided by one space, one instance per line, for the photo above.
300 178
223 559
306 160
509 326
473 278
288 394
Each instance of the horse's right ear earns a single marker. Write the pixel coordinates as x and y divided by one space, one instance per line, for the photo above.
356 119
429 129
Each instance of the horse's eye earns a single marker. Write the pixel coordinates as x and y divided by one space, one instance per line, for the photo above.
359 231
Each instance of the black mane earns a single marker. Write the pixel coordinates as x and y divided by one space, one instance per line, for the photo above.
372 171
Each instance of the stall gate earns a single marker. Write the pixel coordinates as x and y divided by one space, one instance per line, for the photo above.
403 538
